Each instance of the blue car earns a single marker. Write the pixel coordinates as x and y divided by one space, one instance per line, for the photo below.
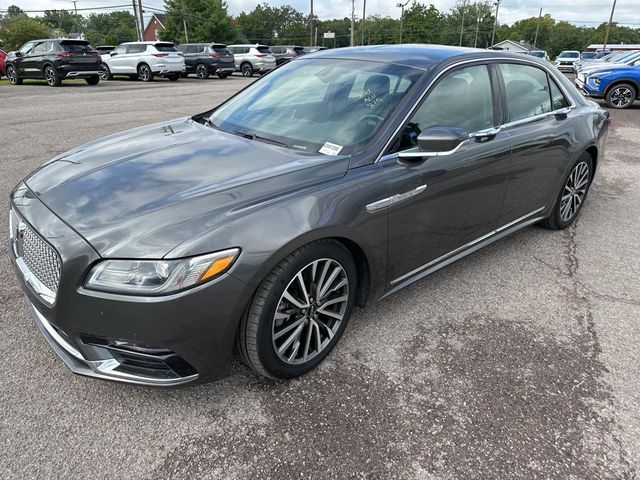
620 86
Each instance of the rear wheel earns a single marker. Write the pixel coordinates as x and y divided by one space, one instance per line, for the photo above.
12 75
202 71
52 77
572 196
246 69
93 80
621 96
300 310
144 73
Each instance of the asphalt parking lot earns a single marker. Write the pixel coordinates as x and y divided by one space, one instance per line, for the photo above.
520 361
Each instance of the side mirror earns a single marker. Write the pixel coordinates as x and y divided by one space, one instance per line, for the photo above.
18 54
437 141
113 54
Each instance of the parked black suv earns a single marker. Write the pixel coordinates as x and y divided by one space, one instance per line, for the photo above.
205 59
286 53
54 60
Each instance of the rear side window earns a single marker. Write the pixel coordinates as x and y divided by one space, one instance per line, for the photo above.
190 49
462 99
299 50
220 50
76 47
263 50
136 48
165 47
558 100
42 48
527 91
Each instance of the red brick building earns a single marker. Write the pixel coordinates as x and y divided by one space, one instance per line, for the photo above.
154 27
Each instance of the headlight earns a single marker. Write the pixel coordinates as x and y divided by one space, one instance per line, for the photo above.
594 80
159 277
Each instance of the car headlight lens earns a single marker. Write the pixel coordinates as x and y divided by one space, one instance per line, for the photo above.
159 277
594 80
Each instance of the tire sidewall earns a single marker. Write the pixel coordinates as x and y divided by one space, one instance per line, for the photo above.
557 219
268 356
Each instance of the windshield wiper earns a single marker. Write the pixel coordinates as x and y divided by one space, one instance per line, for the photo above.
253 136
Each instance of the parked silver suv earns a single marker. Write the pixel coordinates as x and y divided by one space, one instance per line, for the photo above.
144 60
252 58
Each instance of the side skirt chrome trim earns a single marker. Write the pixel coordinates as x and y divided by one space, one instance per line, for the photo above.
464 250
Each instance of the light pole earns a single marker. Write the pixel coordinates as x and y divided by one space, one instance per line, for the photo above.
495 22
464 11
535 39
311 42
401 6
353 22
364 18
606 36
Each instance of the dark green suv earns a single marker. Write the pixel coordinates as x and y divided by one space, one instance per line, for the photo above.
205 59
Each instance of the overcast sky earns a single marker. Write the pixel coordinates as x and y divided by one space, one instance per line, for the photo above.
588 12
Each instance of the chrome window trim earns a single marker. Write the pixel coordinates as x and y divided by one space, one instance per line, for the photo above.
482 61
465 246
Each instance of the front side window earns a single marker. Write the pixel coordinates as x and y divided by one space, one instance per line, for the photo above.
40 48
306 104
120 49
26 48
527 91
462 99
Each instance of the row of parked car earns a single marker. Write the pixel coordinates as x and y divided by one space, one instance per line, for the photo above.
55 60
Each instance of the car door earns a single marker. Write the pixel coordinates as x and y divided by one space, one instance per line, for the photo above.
190 57
117 58
24 63
541 129
132 58
441 203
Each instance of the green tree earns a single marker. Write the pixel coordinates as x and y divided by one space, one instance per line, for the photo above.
421 24
274 25
64 21
207 21
110 28
22 29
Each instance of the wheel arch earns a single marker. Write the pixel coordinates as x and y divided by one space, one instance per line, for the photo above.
620 81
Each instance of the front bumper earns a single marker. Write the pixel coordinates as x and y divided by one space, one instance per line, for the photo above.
160 341
566 67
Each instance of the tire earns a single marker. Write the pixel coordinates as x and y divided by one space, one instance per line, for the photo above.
621 96
262 334
144 73
574 190
202 71
246 69
184 74
173 78
51 76
223 75
105 73
12 75
93 80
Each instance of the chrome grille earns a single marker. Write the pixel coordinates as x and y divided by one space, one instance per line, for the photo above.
41 259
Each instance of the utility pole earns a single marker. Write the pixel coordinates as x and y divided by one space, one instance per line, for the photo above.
464 11
353 21
135 15
495 22
184 24
535 40
75 7
478 18
606 36
364 18
141 21
401 6
311 43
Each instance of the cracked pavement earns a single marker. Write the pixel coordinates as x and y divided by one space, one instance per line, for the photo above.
519 361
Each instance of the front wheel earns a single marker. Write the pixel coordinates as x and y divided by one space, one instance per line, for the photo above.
223 75
12 75
572 196
300 311
621 96
52 77
246 69
144 73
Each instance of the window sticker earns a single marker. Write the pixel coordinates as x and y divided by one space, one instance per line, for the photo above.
330 148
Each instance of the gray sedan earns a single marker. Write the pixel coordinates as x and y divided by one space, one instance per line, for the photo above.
334 181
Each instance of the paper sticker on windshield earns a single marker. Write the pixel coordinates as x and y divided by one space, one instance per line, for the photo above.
330 148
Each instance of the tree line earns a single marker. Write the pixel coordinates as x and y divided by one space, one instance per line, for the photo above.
469 24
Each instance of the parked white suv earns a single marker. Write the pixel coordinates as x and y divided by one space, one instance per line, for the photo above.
144 60
252 58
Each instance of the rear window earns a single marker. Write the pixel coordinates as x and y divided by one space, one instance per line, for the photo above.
221 50
263 50
165 47
76 47
588 55
299 50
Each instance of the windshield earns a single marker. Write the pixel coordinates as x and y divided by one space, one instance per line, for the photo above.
588 55
569 55
309 104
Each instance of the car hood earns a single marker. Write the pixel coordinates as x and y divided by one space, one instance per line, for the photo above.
604 66
142 192
622 70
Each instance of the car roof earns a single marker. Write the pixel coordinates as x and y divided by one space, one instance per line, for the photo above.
414 55
58 40
152 42
248 45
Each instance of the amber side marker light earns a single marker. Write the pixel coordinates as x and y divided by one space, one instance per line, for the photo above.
218 266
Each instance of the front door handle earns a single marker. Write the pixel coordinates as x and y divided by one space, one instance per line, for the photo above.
394 199
486 134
